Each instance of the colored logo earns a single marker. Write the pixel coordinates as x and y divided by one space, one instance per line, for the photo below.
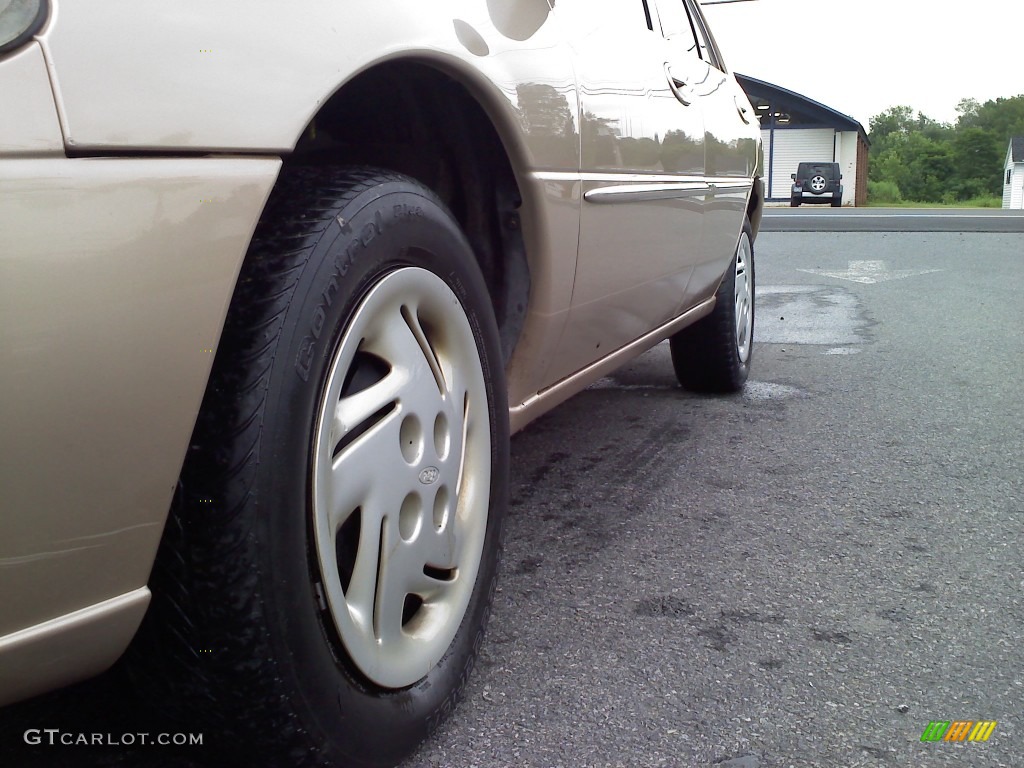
958 730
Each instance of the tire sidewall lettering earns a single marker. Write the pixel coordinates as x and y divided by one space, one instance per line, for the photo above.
342 263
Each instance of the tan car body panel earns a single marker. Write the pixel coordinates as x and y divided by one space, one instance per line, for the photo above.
640 229
111 305
32 128
250 74
116 273
72 647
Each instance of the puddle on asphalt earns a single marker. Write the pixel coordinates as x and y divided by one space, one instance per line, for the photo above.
823 315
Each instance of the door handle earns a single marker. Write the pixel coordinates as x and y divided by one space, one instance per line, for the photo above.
741 109
677 87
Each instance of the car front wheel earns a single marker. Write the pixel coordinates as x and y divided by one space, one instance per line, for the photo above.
324 584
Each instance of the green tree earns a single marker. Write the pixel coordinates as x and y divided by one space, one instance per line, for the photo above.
884 192
886 165
893 120
890 128
930 161
977 163
933 129
927 169
1002 117
967 109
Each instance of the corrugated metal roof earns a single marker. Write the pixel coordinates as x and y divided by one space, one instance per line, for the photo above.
774 93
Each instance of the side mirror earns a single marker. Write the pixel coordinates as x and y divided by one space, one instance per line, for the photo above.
792 176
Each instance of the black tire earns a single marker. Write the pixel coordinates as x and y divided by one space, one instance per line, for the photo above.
708 356
819 178
239 632
794 202
837 200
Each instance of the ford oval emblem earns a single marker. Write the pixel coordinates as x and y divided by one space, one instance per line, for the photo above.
429 475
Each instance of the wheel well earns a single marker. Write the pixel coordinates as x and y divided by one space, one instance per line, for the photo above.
755 206
412 118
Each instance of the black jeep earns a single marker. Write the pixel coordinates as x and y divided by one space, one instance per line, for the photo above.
817 183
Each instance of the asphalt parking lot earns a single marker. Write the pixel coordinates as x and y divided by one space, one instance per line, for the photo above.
806 574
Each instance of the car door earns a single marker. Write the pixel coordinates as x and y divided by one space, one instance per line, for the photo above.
731 138
642 180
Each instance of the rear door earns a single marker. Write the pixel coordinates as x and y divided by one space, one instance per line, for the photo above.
642 180
731 139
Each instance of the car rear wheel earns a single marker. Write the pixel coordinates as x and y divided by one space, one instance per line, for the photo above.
325 581
837 201
794 202
713 354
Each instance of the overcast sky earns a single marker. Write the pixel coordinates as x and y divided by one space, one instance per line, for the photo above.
862 56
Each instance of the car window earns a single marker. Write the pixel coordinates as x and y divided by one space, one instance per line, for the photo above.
706 43
647 15
676 25
586 17
825 169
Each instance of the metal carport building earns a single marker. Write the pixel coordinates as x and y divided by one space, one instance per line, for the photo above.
796 129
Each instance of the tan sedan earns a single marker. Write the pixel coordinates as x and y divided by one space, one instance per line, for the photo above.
277 281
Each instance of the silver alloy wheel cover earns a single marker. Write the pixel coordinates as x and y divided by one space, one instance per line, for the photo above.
818 183
744 298
421 476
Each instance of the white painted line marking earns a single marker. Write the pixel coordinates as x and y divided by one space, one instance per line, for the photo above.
889 216
869 272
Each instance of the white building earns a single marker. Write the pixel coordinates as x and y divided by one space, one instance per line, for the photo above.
796 129
1013 175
